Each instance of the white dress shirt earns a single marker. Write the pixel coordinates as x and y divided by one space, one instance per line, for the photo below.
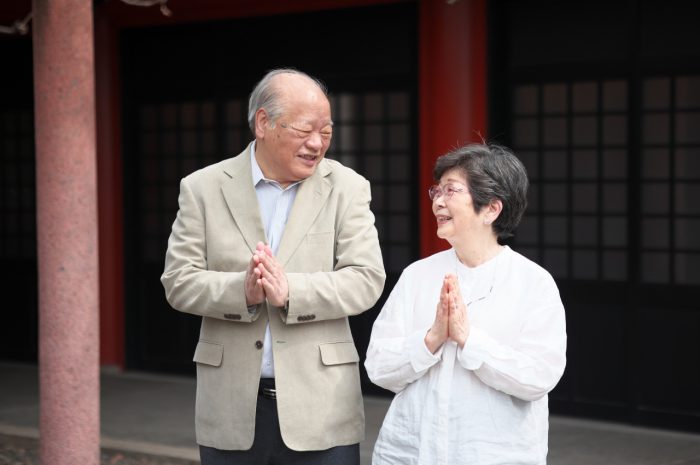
483 404
275 204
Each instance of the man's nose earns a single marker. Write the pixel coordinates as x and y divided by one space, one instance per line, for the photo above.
315 141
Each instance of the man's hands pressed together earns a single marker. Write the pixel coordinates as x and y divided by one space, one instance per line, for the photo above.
265 278
254 293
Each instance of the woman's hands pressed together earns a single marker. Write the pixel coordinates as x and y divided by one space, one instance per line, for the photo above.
451 320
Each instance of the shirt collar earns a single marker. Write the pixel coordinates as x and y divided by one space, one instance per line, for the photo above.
257 172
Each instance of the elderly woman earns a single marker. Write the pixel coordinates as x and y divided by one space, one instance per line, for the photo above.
471 339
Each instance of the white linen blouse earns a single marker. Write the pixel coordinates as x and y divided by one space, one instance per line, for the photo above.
483 404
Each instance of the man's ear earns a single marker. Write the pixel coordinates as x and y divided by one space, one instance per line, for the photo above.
262 123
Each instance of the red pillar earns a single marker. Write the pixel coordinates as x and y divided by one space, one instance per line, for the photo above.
64 99
452 91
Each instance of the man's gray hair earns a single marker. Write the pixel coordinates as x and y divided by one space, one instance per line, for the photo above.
493 172
266 96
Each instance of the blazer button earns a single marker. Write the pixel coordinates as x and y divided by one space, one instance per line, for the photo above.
258 344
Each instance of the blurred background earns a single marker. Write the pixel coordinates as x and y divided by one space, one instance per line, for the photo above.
600 99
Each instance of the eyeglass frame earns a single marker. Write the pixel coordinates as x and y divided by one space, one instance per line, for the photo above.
436 191
306 133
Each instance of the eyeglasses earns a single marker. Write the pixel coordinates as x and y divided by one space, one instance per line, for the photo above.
304 132
448 190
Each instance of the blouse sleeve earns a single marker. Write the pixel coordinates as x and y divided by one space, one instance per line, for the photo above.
397 354
530 366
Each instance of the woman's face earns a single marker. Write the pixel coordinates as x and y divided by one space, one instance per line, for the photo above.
457 222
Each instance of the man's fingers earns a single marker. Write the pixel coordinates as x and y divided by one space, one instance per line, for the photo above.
270 265
265 261
251 265
263 272
267 285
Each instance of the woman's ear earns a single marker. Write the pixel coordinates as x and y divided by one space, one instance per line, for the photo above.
492 210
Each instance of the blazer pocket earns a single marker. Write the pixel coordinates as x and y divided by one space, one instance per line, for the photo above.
320 238
209 353
336 353
318 253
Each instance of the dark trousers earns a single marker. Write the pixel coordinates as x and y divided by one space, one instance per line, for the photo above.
269 449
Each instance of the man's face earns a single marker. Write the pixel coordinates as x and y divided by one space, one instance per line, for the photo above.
290 148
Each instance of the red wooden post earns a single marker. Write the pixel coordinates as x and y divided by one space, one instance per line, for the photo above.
452 91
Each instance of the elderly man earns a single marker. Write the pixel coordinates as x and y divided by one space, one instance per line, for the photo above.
275 248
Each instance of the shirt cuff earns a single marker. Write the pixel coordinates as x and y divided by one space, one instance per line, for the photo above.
469 355
421 358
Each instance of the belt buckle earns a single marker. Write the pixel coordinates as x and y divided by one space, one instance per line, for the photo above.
270 393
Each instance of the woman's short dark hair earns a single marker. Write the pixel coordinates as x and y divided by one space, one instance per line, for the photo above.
492 172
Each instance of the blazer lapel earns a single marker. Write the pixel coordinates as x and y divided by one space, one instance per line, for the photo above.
310 199
240 197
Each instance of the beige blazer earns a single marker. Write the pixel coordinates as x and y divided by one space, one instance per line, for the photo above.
331 254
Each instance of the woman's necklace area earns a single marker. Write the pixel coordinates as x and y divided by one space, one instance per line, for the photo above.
470 279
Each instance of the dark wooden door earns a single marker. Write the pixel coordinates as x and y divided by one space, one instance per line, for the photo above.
602 103
18 270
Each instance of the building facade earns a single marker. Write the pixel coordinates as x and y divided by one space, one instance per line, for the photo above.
601 100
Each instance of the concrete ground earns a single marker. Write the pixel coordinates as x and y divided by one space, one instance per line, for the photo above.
153 414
